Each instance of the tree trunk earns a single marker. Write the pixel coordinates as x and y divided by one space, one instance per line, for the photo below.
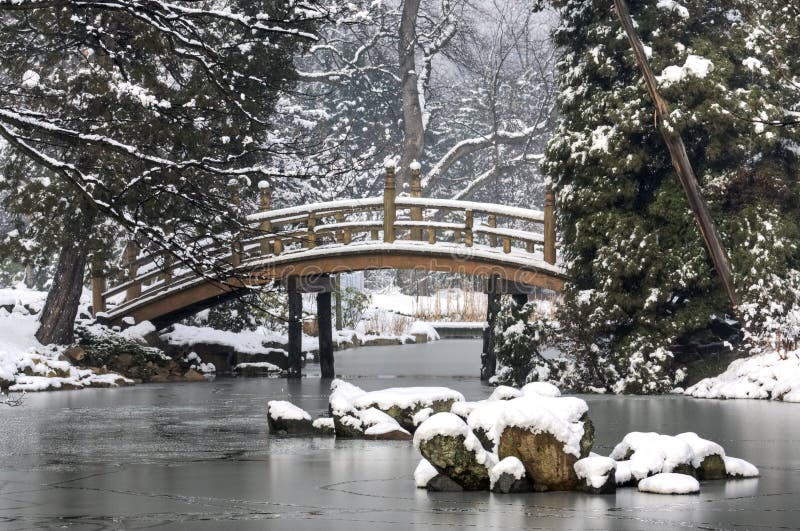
413 127
57 320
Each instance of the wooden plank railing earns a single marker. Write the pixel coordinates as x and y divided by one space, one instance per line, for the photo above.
382 219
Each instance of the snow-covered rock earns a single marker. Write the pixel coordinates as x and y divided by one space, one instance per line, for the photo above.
424 473
597 474
449 445
548 435
324 426
402 403
505 392
652 453
508 476
709 456
670 483
739 468
540 389
287 419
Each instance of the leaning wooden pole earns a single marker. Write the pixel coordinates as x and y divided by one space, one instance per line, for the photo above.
680 159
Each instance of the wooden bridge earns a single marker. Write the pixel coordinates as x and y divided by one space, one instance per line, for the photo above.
300 247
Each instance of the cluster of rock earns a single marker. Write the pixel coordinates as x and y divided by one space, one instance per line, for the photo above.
532 439
388 414
517 440
103 350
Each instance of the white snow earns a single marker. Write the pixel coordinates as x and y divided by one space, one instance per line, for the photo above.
740 468
701 448
245 342
694 66
421 327
30 79
20 351
770 375
463 409
139 331
424 473
653 453
406 397
486 416
343 394
450 425
672 5
505 392
540 389
623 473
281 409
669 483
422 415
263 365
510 465
595 470
559 417
384 427
323 423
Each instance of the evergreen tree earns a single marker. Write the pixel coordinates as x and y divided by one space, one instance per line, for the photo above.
127 120
641 281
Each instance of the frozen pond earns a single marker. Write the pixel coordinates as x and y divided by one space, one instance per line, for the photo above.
198 456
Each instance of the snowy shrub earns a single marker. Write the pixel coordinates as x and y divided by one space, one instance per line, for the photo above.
519 335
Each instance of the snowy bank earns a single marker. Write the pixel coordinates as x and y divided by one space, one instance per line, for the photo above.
767 376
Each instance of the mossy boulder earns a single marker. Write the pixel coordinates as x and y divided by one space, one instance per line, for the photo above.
546 462
451 456
711 467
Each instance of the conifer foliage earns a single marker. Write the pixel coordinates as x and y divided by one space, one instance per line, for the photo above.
641 281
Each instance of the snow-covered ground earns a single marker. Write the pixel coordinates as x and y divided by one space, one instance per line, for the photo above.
26 364
768 376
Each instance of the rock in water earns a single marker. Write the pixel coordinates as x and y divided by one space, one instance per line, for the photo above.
508 476
287 419
548 435
324 426
442 483
345 416
709 457
449 445
597 474
402 403
669 483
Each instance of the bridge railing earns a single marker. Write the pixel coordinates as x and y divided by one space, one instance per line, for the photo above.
385 219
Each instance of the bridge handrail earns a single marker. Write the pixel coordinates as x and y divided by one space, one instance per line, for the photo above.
311 225
474 206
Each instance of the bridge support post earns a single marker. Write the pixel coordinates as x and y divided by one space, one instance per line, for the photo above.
325 334
129 257
416 212
389 209
265 226
488 356
98 287
295 327
549 226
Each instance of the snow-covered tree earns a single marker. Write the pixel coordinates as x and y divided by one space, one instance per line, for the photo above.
132 116
641 281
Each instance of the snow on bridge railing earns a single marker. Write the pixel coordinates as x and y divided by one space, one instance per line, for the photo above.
380 219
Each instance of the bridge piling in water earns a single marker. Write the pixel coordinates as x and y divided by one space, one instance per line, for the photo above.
295 365
488 356
325 330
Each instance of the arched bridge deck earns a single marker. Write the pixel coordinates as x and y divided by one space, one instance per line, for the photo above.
311 241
